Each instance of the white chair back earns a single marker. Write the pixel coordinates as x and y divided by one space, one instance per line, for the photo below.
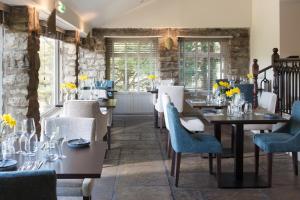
267 100
165 101
74 127
87 109
176 94
166 82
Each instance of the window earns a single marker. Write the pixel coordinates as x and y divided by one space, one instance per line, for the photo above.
47 91
202 61
131 61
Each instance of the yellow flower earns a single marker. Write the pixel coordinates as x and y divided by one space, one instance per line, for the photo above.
68 85
236 90
215 86
232 92
250 76
83 77
229 93
8 120
224 84
151 77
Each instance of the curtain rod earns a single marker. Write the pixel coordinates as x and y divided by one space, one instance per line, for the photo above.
204 37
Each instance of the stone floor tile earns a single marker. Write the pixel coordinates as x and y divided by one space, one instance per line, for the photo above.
143 193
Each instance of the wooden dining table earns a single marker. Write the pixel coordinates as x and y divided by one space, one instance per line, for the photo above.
79 163
239 178
201 103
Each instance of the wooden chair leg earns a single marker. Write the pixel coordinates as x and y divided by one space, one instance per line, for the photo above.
295 162
108 137
173 162
256 150
210 163
177 168
161 121
270 162
169 146
219 168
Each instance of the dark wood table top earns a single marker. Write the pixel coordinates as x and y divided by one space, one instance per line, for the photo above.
153 91
78 164
110 103
256 117
201 103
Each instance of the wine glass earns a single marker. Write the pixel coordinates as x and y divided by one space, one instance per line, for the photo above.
29 131
50 134
19 134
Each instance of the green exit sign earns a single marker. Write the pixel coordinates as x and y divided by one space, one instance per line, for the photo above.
61 7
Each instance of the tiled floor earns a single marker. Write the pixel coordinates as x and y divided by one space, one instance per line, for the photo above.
137 169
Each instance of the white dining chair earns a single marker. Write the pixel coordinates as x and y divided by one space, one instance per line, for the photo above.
74 127
176 94
88 109
165 82
267 101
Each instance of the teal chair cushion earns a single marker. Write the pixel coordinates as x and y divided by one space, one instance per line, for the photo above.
25 185
184 142
273 142
285 139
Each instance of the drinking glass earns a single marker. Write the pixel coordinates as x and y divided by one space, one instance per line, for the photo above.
241 102
29 131
60 138
19 134
248 107
50 133
209 98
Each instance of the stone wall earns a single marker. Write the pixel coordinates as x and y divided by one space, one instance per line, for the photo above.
68 63
239 46
15 73
91 63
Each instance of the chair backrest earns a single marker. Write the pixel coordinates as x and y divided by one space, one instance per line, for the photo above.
74 127
294 124
166 82
165 101
87 109
267 100
176 94
247 90
20 185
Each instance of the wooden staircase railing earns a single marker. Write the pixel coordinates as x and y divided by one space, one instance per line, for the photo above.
286 81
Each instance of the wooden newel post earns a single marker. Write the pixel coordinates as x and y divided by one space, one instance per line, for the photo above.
255 71
275 57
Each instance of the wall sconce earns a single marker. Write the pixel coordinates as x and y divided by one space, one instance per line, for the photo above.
169 43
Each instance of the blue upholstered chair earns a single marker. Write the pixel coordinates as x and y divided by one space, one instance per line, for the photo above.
285 139
24 185
184 142
106 85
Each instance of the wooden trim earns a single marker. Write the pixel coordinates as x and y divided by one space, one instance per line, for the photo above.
44 24
4 7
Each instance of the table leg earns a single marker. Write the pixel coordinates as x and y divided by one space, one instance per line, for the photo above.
217 131
239 152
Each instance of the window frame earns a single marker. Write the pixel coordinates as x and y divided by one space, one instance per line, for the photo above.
57 70
198 55
138 56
